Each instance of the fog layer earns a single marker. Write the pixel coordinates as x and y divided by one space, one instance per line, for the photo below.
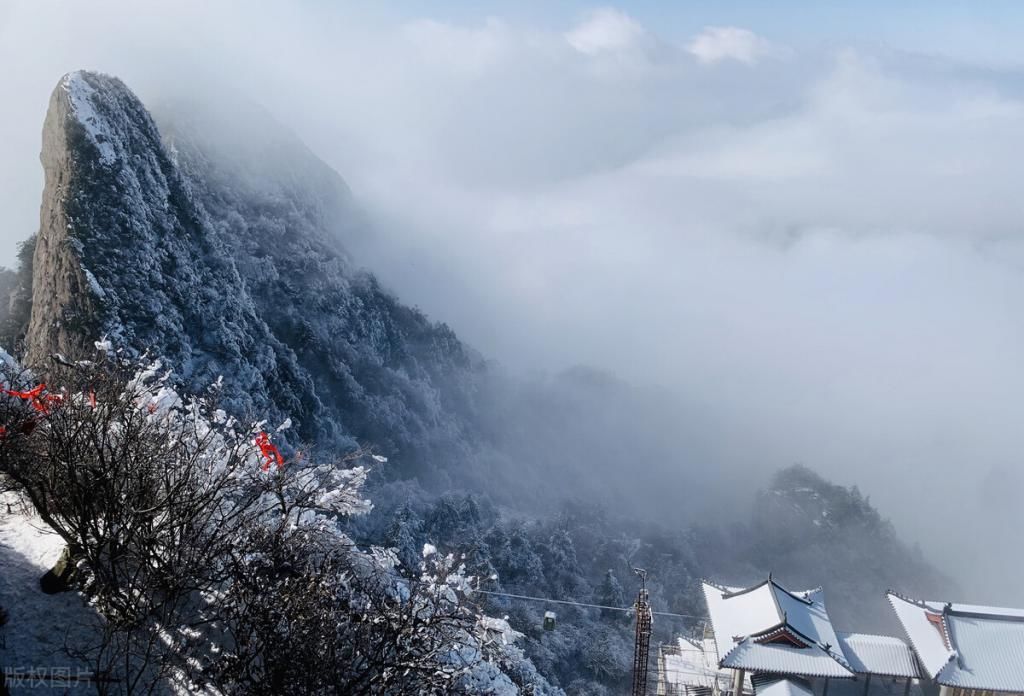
816 247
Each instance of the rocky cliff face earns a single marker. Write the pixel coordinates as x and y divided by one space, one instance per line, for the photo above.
66 307
221 255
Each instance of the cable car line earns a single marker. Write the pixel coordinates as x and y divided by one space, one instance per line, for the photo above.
583 604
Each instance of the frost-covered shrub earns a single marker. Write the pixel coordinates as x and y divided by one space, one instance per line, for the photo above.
216 561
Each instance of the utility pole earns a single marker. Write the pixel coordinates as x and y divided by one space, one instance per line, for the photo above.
642 648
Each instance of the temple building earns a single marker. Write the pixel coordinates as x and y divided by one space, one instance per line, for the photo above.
770 641
965 649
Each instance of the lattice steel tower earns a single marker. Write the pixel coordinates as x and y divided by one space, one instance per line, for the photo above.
642 649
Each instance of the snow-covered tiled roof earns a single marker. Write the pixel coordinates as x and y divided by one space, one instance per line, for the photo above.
782 659
925 636
768 628
883 655
782 687
965 645
805 611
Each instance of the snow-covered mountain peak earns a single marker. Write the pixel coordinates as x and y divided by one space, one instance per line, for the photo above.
226 259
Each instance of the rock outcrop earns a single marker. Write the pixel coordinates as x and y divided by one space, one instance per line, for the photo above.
217 249
66 309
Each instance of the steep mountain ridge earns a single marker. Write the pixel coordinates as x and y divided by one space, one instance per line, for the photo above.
222 270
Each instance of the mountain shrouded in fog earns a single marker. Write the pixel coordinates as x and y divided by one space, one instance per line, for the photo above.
214 240
231 267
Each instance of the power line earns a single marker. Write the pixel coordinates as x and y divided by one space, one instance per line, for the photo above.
584 604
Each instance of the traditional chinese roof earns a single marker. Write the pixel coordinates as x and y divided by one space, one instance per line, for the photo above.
767 628
965 645
883 655
782 687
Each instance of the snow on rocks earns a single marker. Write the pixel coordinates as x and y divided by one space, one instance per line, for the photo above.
94 285
81 96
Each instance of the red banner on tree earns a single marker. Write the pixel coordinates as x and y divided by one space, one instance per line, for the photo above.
269 451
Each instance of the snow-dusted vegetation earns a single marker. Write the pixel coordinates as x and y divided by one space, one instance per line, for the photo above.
215 563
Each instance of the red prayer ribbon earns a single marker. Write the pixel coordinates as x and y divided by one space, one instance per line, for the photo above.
271 455
43 403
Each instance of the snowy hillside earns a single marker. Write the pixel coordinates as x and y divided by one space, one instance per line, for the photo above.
226 269
819 533
217 565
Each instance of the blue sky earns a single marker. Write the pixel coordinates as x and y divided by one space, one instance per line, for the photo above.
985 32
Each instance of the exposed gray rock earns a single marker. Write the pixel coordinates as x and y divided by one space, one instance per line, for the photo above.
66 311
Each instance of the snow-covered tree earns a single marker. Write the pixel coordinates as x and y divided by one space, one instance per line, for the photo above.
611 594
517 562
561 566
403 536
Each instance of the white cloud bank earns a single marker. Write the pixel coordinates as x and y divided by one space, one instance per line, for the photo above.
824 255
